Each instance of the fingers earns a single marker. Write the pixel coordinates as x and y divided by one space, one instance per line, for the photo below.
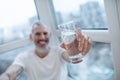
89 45
84 42
81 43
62 45
85 48
78 60
78 34
80 39
86 45
66 46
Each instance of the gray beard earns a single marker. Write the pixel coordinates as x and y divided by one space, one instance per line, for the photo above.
42 50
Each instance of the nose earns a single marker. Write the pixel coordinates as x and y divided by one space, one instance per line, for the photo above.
42 36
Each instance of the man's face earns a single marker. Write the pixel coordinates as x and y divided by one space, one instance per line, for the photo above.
41 36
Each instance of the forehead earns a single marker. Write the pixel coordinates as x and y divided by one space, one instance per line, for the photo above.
39 28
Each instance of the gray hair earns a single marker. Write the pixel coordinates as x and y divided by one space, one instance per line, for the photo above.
40 24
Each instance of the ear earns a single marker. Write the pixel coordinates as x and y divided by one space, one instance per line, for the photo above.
30 37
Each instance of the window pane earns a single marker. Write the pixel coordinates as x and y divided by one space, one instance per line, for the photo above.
16 17
97 65
89 14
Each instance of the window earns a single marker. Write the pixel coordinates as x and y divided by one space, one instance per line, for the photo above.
98 64
111 35
106 38
88 14
7 58
16 17
91 17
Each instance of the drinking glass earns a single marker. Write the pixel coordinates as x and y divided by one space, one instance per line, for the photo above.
68 36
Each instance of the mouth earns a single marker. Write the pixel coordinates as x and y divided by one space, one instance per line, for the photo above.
42 42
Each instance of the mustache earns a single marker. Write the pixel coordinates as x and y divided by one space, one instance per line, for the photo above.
42 40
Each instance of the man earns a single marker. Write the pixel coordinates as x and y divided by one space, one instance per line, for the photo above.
45 62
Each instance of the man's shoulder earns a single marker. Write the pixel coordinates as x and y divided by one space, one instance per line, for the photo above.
27 53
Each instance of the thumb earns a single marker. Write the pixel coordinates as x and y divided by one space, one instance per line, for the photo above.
62 45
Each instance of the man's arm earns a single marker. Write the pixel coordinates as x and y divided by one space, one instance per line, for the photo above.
12 72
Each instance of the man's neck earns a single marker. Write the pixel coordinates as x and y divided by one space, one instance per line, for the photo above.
41 54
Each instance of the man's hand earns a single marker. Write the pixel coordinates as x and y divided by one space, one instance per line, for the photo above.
81 44
84 42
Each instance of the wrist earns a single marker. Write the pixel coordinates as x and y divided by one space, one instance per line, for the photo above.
8 75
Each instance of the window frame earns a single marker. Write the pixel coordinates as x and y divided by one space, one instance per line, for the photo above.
112 7
113 16
16 43
110 36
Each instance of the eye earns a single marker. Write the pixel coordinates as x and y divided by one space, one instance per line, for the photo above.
45 33
37 34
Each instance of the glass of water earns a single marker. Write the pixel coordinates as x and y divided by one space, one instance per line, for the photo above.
68 36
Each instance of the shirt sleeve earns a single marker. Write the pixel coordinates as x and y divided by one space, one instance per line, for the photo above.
20 60
60 51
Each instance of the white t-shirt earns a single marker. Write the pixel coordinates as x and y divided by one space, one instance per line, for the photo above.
52 67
